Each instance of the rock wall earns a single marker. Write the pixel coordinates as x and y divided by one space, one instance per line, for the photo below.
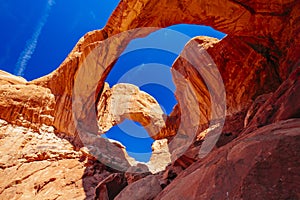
40 142
23 104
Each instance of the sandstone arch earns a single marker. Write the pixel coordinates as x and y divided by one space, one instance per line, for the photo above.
240 20
257 48
126 101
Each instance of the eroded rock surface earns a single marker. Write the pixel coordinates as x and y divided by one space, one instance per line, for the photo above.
259 41
126 101
146 188
25 105
38 165
281 105
250 167
257 156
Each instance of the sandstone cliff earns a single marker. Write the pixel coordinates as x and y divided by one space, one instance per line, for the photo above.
46 132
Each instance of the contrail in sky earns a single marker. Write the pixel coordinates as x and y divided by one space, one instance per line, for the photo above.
32 42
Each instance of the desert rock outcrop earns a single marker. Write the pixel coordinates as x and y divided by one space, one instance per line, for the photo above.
126 101
42 121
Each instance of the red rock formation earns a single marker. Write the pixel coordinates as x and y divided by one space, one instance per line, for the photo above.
126 101
110 187
253 166
7 78
259 56
281 105
146 188
260 34
23 104
39 164
160 157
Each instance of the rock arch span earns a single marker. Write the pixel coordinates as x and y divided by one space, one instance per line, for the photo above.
126 101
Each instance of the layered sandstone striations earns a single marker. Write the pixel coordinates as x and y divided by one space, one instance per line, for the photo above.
259 35
258 62
39 165
24 104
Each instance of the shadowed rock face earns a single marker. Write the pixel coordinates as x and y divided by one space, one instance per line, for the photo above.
258 60
250 167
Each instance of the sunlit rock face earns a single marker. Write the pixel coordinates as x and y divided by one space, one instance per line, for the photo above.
40 155
39 164
259 39
23 104
126 101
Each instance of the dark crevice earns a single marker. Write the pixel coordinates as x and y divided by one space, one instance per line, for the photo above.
251 10
270 51
287 11
41 186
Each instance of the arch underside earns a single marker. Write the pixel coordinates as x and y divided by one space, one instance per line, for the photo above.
255 39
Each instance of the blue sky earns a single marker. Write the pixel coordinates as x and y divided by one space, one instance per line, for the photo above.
63 24
38 35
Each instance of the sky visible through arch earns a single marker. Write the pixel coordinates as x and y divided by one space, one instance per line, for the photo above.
37 36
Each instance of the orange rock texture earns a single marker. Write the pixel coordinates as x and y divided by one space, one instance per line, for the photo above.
47 124
126 101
